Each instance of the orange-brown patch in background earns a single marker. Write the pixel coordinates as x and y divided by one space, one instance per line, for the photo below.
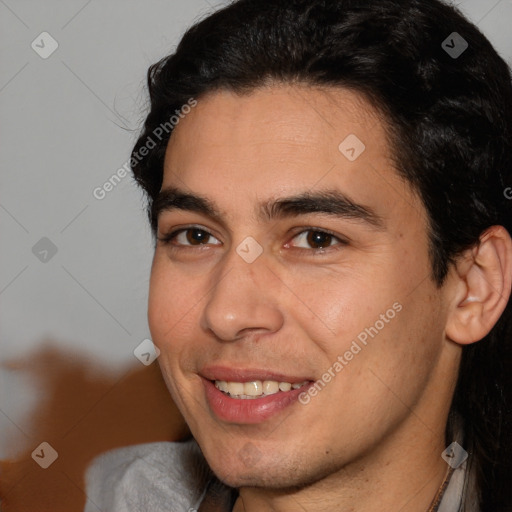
83 411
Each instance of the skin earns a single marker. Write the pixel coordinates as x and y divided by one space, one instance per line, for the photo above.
372 438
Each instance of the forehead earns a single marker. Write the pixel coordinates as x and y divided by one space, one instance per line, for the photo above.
283 140
291 120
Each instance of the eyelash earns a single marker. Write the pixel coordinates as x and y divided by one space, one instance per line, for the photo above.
166 239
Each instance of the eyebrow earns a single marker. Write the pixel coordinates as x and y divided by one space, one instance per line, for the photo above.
328 202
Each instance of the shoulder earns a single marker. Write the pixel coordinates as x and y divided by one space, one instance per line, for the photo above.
161 476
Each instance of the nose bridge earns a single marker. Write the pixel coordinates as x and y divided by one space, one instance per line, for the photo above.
240 297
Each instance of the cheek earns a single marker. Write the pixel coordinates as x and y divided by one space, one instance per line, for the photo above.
378 316
171 323
333 308
170 305
401 356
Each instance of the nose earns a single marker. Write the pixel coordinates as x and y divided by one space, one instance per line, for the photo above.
244 299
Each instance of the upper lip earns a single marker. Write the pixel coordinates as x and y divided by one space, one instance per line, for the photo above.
232 373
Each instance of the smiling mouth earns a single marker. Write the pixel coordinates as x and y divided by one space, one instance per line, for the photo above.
256 388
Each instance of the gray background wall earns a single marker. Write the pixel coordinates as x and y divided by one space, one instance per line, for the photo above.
67 125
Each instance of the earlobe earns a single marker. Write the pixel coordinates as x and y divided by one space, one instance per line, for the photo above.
482 287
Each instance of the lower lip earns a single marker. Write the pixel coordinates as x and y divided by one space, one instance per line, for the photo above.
250 410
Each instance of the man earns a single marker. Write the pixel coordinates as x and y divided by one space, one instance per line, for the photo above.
332 273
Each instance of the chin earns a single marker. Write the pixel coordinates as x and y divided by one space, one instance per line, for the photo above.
242 480
271 471
254 477
237 470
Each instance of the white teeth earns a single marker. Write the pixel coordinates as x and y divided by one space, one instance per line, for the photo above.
270 387
255 388
222 385
236 388
285 386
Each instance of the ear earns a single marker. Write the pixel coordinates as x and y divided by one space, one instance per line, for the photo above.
480 287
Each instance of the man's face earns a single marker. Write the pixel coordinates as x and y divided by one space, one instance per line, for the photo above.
261 289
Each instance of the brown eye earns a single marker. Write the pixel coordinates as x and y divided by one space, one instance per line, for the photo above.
189 237
315 239
196 236
319 239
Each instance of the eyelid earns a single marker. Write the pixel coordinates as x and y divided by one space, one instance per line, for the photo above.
304 229
174 232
